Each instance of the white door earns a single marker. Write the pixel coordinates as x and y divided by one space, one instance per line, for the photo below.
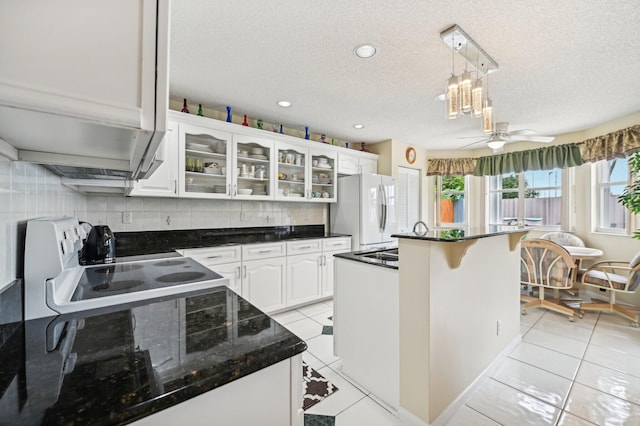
389 217
371 209
303 278
263 283
407 198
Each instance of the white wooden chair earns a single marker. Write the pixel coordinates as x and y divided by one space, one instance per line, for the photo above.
546 265
615 277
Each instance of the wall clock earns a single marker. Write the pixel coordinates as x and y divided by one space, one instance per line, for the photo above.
411 155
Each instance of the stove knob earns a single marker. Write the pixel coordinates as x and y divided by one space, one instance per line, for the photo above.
67 246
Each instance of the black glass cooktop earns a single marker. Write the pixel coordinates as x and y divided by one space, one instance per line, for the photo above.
120 278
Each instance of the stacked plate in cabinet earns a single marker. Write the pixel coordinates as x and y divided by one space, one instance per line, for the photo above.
259 189
219 189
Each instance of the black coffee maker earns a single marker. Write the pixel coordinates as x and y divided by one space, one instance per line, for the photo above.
100 246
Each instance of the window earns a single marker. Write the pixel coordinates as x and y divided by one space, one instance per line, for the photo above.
612 177
532 198
451 209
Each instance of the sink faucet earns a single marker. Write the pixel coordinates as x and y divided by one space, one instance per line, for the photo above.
415 227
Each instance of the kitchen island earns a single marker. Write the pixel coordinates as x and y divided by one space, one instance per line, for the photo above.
458 312
199 356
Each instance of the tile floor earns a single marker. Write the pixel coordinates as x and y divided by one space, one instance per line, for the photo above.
562 373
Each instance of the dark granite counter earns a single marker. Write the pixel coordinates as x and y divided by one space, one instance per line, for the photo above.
461 234
106 368
371 257
150 242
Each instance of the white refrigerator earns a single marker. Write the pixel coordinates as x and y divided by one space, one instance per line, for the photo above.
366 209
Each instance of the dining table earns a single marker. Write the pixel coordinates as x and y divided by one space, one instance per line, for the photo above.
578 254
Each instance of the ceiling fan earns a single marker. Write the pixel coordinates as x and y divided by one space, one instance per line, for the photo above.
502 135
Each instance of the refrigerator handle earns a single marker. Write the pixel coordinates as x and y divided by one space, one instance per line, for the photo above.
384 207
380 209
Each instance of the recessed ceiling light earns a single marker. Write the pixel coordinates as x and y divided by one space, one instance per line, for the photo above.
365 51
358 126
284 104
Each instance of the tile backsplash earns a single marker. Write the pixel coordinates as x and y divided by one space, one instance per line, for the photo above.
153 214
28 191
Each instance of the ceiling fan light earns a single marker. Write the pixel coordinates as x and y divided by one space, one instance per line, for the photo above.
476 98
452 97
465 92
487 117
495 144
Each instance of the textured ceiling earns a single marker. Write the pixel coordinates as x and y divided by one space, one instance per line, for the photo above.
564 65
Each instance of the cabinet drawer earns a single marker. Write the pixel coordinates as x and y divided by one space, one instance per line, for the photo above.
303 247
331 244
263 251
214 255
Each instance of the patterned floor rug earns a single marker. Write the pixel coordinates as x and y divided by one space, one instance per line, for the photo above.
316 388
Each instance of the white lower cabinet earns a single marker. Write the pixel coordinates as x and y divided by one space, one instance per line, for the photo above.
269 397
232 271
264 281
275 276
303 278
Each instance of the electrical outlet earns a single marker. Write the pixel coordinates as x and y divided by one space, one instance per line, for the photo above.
127 218
498 327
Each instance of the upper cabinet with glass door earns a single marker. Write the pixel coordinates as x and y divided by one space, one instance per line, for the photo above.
204 160
324 173
305 174
253 169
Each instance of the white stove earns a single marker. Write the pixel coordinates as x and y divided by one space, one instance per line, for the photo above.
55 282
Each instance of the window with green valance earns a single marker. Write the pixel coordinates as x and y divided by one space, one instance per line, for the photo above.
451 166
548 158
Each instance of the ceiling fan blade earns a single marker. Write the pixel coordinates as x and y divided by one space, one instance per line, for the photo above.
544 139
522 132
475 143
468 137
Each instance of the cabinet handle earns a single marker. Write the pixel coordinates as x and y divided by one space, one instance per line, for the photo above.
175 186
238 272
335 244
229 190
214 257
305 247
264 251
319 260
324 260
235 189
244 268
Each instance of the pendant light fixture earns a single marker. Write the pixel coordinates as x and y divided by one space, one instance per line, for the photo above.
464 94
452 87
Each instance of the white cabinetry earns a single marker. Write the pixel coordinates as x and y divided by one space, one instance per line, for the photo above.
264 281
304 273
164 180
306 174
331 246
269 397
84 83
225 260
354 162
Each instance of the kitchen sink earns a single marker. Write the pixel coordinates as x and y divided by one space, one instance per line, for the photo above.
388 255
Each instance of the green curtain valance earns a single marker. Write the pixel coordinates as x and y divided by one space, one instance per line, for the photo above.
557 156
450 166
618 144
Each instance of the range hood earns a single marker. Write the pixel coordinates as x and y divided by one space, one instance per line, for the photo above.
88 100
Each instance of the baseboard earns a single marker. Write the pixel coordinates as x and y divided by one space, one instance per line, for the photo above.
410 419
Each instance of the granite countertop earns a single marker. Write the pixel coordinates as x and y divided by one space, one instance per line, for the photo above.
113 367
369 257
461 234
150 242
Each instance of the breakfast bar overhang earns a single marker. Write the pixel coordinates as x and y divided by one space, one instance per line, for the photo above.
459 311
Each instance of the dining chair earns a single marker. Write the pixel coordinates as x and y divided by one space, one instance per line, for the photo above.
563 238
546 265
614 277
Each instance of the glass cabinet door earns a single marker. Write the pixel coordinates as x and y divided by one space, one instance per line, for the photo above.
291 166
323 176
253 171
204 162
